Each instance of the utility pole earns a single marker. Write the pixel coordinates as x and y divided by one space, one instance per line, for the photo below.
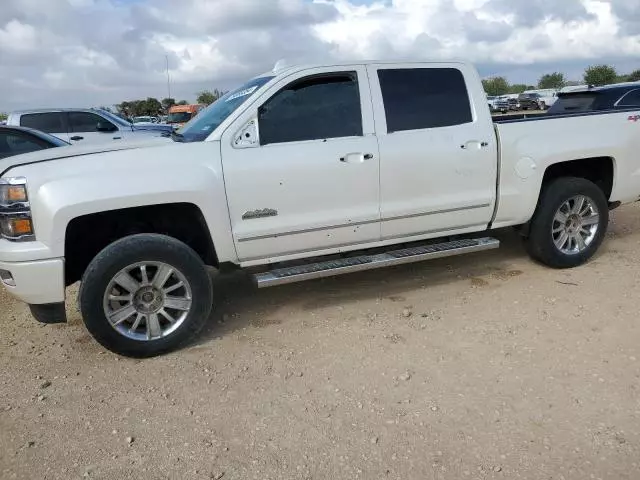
166 57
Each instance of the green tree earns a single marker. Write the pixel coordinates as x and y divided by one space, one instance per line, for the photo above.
600 75
552 80
182 102
208 97
495 86
519 88
167 103
634 76
151 106
3 116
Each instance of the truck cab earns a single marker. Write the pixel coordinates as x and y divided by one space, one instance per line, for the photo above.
181 114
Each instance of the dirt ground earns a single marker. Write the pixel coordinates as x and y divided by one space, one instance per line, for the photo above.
482 367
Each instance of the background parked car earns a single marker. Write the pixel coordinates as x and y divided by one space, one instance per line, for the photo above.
145 119
501 104
611 97
546 97
87 126
530 101
19 140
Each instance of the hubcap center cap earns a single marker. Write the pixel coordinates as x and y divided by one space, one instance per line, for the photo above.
573 224
148 300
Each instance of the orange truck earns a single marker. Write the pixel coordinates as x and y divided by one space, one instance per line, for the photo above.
181 114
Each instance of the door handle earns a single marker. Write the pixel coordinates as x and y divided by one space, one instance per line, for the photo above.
356 157
471 143
76 138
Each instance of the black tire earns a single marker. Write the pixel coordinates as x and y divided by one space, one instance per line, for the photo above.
540 244
129 251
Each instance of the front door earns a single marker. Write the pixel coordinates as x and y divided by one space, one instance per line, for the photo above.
83 129
438 154
301 167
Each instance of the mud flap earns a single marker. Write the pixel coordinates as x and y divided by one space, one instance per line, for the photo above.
49 313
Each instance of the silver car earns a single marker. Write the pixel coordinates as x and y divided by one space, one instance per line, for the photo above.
84 126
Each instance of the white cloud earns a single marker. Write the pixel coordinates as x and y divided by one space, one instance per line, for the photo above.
86 52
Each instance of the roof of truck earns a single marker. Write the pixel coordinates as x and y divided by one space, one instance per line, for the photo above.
280 67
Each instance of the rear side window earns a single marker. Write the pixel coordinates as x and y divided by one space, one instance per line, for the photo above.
313 108
574 103
52 122
86 122
418 98
14 143
631 99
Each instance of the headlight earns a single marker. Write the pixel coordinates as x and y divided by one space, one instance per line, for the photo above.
15 210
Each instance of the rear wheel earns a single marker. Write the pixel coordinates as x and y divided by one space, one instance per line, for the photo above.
145 295
569 224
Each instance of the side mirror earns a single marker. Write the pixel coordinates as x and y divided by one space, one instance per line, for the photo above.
105 127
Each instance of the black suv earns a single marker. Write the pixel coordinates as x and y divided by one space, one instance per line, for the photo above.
611 97
529 101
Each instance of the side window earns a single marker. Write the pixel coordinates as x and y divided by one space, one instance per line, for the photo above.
631 99
313 108
86 122
418 98
15 143
45 122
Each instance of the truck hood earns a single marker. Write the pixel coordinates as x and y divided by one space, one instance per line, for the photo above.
58 153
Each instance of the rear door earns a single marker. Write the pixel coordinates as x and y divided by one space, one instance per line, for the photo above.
54 123
438 151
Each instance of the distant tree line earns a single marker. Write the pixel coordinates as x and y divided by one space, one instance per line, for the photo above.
154 107
595 75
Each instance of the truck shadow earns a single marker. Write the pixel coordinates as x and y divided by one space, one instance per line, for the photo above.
238 303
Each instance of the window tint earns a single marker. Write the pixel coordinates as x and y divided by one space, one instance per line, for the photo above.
424 98
12 143
631 99
86 122
313 108
46 122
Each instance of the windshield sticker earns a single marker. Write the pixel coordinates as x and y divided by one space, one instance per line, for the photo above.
242 93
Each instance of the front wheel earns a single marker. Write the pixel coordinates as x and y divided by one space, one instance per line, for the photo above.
569 224
145 295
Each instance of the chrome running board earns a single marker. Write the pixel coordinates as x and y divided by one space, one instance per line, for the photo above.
341 266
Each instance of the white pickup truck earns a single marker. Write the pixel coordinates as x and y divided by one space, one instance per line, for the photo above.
303 172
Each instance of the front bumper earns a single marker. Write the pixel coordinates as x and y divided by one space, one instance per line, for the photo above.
37 282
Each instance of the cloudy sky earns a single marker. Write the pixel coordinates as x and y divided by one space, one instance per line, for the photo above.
100 52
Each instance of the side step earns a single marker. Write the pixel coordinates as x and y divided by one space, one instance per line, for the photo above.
341 266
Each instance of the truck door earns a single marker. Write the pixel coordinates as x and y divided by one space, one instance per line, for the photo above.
53 123
438 152
301 167
84 129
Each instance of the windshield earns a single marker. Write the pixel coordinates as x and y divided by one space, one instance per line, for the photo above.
211 117
179 117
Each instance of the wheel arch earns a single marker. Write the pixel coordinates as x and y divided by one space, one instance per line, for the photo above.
86 235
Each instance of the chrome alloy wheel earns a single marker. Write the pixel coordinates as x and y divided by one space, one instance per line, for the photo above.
147 300
575 225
